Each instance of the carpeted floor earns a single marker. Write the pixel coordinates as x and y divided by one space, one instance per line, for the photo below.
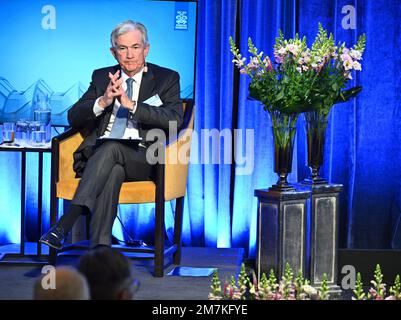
16 282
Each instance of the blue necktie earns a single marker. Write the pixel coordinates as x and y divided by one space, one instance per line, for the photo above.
121 119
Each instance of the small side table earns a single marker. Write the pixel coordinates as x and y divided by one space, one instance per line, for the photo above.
36 259
281 231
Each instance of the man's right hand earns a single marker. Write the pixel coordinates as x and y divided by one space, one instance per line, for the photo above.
113 90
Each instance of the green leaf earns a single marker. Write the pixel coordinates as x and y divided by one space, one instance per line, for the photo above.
280 96
345 95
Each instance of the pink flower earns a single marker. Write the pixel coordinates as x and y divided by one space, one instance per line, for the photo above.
268 63
293 48
346 57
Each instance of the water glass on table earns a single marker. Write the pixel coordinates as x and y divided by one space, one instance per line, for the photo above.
37 134
8 132
22 133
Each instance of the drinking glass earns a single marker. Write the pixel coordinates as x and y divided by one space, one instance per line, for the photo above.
8 132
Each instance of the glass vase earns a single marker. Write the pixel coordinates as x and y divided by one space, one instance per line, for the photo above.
315 125
284 130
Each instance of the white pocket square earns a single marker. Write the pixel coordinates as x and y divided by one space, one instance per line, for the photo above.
154 101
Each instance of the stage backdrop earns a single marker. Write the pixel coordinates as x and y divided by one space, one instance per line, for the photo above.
363 147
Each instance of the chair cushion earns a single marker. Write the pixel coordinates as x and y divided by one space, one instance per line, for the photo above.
131 192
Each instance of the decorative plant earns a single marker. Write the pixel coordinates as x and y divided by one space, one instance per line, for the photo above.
247 287
395 290
216 287
358 291
302 78
288 288
333 66
280 87
378 291
324 291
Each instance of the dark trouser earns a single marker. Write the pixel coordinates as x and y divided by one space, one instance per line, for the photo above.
111 164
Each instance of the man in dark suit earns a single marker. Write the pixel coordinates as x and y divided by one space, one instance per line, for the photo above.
122 102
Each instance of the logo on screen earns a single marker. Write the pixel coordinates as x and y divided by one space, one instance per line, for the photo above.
181 20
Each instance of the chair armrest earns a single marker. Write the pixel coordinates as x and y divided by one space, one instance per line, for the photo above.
63 148
177 155
64 135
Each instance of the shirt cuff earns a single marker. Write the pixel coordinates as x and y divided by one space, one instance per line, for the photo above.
134 108
97 110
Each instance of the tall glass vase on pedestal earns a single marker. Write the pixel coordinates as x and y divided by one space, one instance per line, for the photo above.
316 125
284 129
281 208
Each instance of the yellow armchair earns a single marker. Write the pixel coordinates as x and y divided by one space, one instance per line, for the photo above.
170 183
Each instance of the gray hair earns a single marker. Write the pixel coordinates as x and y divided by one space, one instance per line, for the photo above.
127 26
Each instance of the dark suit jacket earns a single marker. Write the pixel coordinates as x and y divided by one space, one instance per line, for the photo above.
156 80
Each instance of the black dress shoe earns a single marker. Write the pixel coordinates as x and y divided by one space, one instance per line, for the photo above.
54 237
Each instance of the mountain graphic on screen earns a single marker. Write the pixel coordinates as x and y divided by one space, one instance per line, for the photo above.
17 105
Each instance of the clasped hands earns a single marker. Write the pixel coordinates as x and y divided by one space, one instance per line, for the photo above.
115 90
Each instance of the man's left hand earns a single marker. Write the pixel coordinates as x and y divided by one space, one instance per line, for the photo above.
125 101
123 98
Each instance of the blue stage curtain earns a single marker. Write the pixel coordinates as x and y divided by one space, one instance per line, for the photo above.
363 147
261 21
207 219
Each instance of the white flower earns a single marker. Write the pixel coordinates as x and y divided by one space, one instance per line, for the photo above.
309 290
239 62
281 51
348 65
357 65
356 54
307 59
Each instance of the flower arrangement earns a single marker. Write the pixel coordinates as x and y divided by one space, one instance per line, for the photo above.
333 66
302 78
281 88
298 288
378 291
247 287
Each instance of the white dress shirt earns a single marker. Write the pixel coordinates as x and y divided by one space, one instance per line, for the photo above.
131 132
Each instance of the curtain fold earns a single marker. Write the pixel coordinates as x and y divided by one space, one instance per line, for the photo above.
209 184
363 146
260 20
